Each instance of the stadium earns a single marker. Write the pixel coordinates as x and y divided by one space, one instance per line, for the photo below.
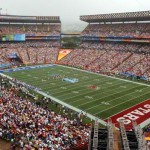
93 94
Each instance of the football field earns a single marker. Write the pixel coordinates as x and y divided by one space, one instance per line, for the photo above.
99 95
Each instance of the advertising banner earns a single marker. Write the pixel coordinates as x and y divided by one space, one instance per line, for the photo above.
138 113
13 37
19 37
63 53
8 37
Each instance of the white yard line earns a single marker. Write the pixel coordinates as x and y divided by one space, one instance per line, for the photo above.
122 103
105 75
59 84
73 85
80 86
108 96
98 93
128 108
67 86
49 82
89 92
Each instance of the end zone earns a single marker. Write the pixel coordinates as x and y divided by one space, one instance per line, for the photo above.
138 113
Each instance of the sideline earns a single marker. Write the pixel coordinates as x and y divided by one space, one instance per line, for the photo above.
27 68
65 104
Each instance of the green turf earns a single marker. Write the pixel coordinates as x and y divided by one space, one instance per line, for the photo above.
111 95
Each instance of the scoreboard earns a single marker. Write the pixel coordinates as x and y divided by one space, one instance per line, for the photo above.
13 37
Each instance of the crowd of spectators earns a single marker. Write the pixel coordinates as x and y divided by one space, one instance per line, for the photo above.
120 30
147 134
31 29
30 125
111 58
105 57
31 52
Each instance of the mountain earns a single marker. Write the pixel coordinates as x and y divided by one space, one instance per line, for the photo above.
73 27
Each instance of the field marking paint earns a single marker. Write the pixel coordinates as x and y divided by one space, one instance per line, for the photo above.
92 91
106 96
121 103
85 77
105 103
44 87
127 108
76 92
72 84
98 88
88 97
68 86
59 84
96 79
80 86
114 99
140 113
104 75
139 90
108 82
53 83
63 87
98 93
123 86
44 80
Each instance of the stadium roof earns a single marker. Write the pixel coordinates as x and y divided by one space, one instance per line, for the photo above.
117 17
29 19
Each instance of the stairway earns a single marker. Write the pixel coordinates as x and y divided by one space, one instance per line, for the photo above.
138 62
28 54
96 59
19 55
122 61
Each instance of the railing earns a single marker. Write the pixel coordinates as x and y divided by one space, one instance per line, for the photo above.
95 136
139 136
124 136
110 145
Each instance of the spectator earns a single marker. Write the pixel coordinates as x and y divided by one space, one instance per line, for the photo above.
31 126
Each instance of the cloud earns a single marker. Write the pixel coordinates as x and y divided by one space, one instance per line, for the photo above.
70 10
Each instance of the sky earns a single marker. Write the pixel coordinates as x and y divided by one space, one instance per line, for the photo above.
70 10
